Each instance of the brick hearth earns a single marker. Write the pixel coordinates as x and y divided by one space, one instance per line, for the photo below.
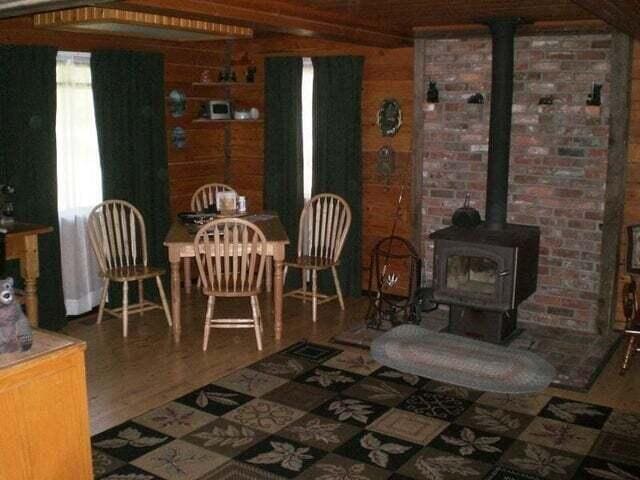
558 158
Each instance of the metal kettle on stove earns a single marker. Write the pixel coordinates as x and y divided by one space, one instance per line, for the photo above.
466 216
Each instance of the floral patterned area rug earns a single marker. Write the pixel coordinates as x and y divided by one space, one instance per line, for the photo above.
316 412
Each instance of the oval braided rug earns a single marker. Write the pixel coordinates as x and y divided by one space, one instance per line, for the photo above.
462 361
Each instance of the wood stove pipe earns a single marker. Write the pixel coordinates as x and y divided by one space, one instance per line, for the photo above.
503 33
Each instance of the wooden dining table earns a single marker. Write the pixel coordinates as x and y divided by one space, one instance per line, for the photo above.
179 242
22 245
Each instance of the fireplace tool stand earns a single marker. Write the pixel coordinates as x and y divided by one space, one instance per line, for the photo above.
387 308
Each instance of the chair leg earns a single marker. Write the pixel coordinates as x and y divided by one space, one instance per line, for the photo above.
163 298
207 322
103 299
141 296
631 347
314 292
125 309
256 325
259 315
304 286
336 280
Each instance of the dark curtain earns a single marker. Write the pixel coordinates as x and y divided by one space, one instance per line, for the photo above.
337 152
28 161
128 94
283 188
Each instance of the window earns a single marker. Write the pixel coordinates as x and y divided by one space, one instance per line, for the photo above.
79 180
78 159
307 126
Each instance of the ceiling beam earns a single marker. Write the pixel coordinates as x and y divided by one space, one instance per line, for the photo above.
622 14
279 16
535 28
15 8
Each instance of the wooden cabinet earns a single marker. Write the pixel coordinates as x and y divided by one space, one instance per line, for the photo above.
44 420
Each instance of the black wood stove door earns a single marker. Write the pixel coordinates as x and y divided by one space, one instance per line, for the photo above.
472 275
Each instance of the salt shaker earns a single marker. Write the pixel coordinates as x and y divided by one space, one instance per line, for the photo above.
242 204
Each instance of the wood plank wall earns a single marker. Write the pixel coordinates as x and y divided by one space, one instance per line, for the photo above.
388 73
202 159
632 194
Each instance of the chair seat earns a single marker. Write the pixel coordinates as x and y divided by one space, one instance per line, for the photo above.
231 293
133 272
310 262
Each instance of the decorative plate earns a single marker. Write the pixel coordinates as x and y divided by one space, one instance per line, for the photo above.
178 137
177 103
386 164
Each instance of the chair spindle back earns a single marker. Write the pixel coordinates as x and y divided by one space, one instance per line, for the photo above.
230 254
324 224
205 196
118 235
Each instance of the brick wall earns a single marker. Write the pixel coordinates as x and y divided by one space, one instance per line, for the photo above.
558 158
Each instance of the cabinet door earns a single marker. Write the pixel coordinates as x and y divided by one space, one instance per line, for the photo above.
44 430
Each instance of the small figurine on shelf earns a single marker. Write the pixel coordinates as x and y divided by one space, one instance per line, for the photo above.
595 97
205 77
476 98
548 100
202 112
251 75
223 76
433 96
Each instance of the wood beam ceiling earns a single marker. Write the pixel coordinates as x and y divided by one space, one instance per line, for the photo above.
279 16
622 14
535 28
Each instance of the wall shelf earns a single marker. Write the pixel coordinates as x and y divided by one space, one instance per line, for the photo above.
226 84
230 120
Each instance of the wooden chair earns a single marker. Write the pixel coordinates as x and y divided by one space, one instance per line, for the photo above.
119 240
230 255
632 328
629 298
324 224
205 196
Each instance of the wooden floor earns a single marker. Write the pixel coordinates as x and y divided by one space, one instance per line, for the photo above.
127 377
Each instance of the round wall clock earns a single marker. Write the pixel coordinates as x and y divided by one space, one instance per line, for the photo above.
389 117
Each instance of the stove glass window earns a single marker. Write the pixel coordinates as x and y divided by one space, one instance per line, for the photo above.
472 274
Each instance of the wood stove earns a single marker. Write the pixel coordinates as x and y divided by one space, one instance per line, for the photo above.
484 272
483 275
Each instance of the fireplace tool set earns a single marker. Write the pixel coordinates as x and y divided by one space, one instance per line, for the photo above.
393 299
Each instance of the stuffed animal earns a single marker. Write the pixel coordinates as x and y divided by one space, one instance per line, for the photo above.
15 332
